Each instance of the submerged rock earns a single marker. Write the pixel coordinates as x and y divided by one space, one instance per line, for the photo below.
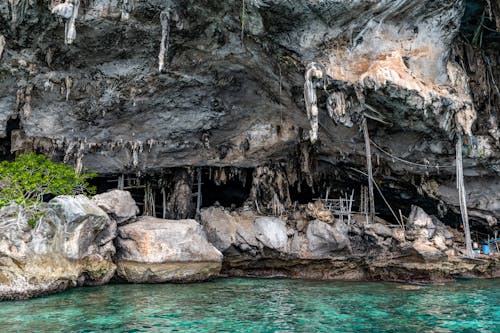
71 245
153 250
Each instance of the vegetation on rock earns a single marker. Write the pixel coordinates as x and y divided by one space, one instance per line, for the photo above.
31 178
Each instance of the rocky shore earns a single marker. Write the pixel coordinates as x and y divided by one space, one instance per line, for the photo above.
79 242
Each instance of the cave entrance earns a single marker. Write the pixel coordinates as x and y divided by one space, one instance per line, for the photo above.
6 143
173 193
228 187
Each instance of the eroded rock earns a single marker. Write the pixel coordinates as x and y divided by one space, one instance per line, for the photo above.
324 239
71 245
118 204
153 250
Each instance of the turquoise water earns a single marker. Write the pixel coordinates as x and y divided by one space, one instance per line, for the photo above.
253 305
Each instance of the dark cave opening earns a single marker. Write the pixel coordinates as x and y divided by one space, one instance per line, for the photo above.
6 143
231 193
302 194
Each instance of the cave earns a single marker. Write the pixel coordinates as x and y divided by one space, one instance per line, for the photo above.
231 193
6 143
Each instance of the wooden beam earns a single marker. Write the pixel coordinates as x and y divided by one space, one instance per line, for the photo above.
462 197
198 197
369 169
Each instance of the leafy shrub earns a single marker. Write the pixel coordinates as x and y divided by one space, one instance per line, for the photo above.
31 177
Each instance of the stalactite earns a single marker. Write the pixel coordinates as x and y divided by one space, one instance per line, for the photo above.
127 7
2 45
180 203
137 147
79 158
27 101
314 76
270 189
69 11
149 200
165 32
18 10
68 81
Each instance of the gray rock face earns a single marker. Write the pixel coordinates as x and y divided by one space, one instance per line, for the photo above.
71 245
218 100
431 238
381 230
118 204
252 237
324 238
420 224
272 233
152 250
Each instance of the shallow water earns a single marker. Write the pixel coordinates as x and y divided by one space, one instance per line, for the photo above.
256 305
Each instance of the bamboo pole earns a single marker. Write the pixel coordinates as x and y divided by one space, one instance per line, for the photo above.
198 197
164 201
369 169
462 197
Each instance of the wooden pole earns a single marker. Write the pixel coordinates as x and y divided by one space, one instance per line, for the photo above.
462 197
369 169
198 196
164 201
121 182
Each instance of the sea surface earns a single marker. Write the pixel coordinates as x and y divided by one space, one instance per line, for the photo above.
262 305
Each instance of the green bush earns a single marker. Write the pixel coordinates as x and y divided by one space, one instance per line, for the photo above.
31 177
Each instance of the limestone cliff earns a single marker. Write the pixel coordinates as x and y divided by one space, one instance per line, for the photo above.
277 88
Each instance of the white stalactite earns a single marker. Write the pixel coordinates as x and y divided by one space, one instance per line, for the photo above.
165 32
314 72
127 7
69 11
2 45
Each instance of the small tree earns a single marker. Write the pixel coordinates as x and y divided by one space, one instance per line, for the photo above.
31 177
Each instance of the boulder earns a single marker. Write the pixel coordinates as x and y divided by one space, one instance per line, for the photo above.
221 227
427 251
381 229
272 233
153 250
118 204
324 239
71 245
420 224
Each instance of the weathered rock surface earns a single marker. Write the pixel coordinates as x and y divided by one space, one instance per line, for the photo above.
337 250
325 239
225 96
152 250
71 245
118 204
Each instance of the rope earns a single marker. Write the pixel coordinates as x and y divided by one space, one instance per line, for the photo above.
383 197
437 166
